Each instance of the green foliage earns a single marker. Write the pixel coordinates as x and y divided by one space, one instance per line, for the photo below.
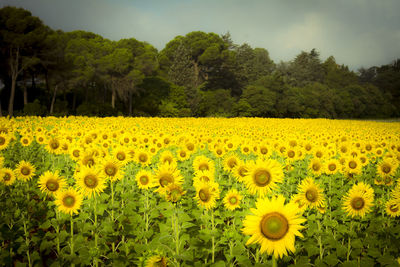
93 109
34 109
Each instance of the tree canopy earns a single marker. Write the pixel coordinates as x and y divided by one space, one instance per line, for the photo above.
51 72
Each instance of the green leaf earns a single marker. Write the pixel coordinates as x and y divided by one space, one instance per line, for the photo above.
331 259
356 243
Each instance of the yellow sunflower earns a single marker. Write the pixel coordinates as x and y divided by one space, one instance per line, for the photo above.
25 170
232 199
203 176
207 194
393 208
230 162
167 157
311 193
144 179
157 261
386 168
7 176
167 174
202 163
4 141
68 201
299 202
240 171
359 200
183 154
143 157
316 166
53 146
332 166
174 192
26 140
121 154
274 226
111 168
263 176
353 166
50 182
89 181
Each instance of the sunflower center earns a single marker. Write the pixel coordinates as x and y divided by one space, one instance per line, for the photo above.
111 170
54 144
242 171
182 154
167 159
75 153
264 151
204 178
291 154
90 162
52 185
25 141
316 166
203 167
121 156
143 158
190 146
387 180
352 164
368 147
219 151
274 226
308 147
262 178
69 201
166 179
386 169
91 181
2 140
312 195
232 163
233 200
357 203
394 208
332 167
204 195
318 154
25 170
144 180
7 177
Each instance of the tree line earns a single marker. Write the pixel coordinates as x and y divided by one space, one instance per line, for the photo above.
51 72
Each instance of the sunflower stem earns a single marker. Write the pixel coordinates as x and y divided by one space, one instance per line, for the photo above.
72 239
27 243
58 233
175 227
349 240
274 262
146 215
112 210
95 261
321 251
212 237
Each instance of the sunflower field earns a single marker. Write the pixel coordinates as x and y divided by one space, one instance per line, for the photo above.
81 191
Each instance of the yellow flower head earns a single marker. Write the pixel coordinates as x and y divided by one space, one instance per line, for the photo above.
145 179
68 201
7 176
50 182
232 199
25 170
90 181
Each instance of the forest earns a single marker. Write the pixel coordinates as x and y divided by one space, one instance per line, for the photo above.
49 72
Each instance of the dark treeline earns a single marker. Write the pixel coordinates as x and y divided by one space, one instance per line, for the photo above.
47 72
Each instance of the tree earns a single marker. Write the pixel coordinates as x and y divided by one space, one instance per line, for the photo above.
21 38
306 68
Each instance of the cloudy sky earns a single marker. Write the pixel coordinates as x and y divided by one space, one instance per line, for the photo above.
356 32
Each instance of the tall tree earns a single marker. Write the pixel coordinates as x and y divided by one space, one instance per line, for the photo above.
21 36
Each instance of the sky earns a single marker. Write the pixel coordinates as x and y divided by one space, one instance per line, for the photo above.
358 33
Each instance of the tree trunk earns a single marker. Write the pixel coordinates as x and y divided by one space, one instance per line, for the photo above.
130 102
53 100
113 97
12 95
25 94
74 102
14 75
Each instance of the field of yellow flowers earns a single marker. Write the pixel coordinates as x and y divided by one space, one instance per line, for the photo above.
199 192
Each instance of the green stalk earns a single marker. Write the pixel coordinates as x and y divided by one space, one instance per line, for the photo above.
321 252
175 227
146 215
95 261
58 234
72 239
212 238
27 243
349 240
274 262
112 211
257 256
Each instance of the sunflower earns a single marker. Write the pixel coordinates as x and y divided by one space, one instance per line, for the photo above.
7 176
88 158
89 181
230 162
299 202
274 226
111 168
4 141
157 261
167 174
245 149
358 200
232 199
264 150
386 168
143 157
183 154
68 201
75 152
353 166
203 176
316 166
167 157
50 182
25 170
202 163
26 140
174 192
263 176
53 146
393 208
144 179
207 194
240 171
311 193
332 166
121 154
